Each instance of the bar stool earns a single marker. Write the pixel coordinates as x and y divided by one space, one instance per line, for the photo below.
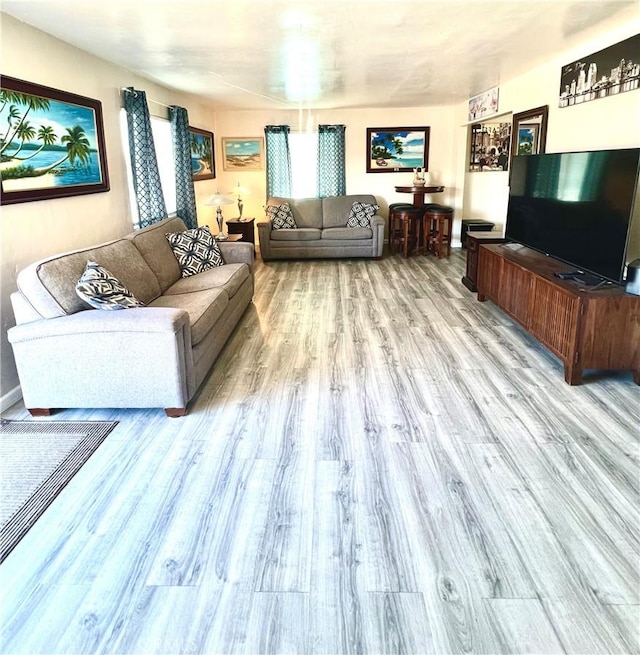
405 225
437 229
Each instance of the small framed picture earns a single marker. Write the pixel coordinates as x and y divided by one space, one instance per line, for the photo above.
243 153
203 162
397 149
483 105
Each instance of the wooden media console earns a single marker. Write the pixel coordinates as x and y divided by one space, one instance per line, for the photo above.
586 328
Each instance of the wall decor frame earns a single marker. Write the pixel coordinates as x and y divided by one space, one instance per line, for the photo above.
52 143
490 143
608 72
484 104
529 131
243 153
203 161
397 149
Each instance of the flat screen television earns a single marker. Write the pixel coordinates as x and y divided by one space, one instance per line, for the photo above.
576 207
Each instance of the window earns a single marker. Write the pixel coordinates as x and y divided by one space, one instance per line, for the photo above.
164 154
303 150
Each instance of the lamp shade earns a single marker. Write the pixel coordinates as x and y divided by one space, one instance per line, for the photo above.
218 199
239 191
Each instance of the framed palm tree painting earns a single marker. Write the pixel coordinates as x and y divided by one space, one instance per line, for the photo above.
203 163
51 143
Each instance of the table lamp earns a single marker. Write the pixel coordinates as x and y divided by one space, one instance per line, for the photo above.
239 191
217 200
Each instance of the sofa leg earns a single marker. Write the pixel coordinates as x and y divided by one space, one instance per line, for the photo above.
175 412
39 411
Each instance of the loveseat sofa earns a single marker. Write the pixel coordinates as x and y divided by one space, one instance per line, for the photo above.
321 230
70 355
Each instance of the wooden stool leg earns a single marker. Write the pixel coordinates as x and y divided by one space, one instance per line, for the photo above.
449 233
405 245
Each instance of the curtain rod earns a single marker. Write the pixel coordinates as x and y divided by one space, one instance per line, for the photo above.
157 102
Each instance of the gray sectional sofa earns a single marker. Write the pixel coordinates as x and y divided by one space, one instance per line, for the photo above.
322 230
70 355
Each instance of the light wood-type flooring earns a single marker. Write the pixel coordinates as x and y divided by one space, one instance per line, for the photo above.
377 464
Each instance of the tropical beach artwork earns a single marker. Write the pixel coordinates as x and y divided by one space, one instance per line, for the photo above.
202 157
397 149
243 154
51 143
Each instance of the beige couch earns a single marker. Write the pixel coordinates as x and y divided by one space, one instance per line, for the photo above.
70 355
322 230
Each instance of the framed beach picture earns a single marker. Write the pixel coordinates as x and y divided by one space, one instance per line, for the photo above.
52 143
243 153
397 149
530 131
203 163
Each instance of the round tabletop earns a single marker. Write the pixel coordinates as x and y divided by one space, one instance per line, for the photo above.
419 189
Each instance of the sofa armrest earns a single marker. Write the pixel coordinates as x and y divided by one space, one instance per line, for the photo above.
143 319
237 252
128 358
264 238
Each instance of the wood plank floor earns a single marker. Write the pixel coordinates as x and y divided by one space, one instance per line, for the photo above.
378 464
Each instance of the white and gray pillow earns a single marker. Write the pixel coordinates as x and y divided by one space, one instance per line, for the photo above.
196 250
361 214
102 290
281 217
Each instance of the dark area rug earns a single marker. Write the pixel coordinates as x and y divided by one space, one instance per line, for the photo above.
37 460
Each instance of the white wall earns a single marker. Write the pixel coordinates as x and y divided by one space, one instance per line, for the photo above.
382 185
33 230
612 122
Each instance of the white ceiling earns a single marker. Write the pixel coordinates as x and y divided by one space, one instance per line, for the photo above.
325 53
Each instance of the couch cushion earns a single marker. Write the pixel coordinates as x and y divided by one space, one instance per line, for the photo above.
307 212
361 214
154 247
196 250
281 217
228 277
345 233
50 284
101 290
204 309
335 210
299 234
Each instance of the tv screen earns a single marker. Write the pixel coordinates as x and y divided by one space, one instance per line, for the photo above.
575 206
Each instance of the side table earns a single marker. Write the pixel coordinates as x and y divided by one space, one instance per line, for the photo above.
474 225
473 240
245 228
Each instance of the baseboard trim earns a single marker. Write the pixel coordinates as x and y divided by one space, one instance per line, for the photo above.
11 398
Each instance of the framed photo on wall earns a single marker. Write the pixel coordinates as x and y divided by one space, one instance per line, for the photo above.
52 143
529 131
397 149
203 162
243 153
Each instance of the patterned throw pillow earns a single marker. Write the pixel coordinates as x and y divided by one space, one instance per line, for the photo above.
361 214
281 217
196 250
102 290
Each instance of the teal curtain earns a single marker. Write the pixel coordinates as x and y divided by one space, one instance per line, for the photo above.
144 166
185 195
331 161
278 161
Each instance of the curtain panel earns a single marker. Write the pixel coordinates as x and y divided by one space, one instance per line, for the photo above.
331 161
144 165
278 161
185 194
